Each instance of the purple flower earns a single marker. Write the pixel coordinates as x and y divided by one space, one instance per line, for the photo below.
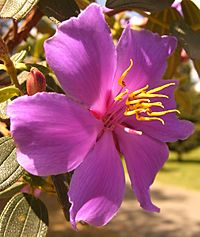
116 104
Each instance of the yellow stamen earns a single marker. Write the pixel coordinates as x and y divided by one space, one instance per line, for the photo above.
138 117
120 96
160 113
121 79
148 105
133 94
160 88
139 101
135 111
145 95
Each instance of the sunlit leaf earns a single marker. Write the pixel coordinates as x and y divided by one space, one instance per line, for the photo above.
10 170
24 216
146 5
12 190
3 108
19 57
16 9
59 10
8 92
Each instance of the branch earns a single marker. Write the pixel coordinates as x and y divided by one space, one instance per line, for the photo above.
15 35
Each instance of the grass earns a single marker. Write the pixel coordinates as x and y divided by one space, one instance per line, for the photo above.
183 174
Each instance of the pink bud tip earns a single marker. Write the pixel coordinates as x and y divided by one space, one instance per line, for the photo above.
36 82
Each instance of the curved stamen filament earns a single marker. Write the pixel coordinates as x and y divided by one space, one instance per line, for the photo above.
150 113
138 117
160 88
149 105
121 95
132 102
145 95
121 79
135 111
137 92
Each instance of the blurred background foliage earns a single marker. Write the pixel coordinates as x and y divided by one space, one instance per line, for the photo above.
25 25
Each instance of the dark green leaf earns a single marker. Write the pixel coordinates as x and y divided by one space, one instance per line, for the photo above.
10 170
188 38
16 9
146 5
191 13
8 92
192 17
24 216
59 10
12 190
61 183
159 22
84 3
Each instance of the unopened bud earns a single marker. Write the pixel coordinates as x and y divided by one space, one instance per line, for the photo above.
36 82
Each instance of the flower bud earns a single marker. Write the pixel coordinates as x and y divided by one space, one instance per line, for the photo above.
36 82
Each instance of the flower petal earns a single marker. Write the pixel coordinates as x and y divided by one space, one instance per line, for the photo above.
149 53
97 186
144 157
53 134
82 56
173 129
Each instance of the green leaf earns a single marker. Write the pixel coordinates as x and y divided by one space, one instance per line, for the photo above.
10 170
61 183
191 14
12 190
19 57
192 17
24 216
59 10
16 9
159 22
146 5
188 38
8 92
84 3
